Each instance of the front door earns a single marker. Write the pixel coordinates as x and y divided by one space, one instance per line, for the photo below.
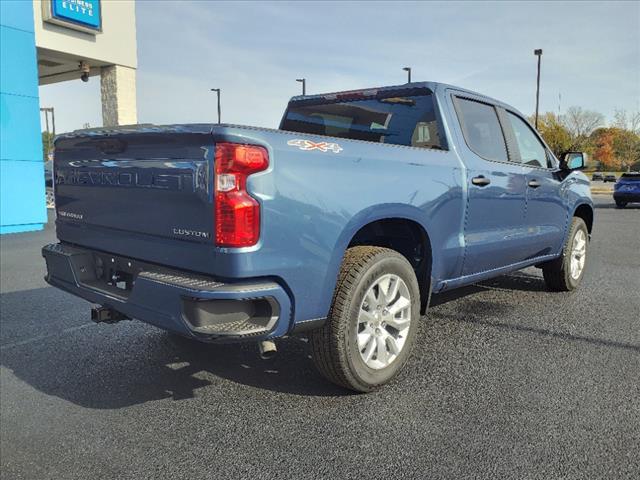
546 209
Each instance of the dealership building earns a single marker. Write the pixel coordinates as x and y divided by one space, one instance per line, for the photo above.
51 41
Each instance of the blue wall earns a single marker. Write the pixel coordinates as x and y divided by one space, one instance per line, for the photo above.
22 197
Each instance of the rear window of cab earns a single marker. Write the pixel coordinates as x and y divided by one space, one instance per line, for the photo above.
400 117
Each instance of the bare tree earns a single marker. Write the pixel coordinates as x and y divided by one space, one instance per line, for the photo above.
627 121
581 123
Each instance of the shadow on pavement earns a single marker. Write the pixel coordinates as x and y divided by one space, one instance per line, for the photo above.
516 281
544 331
113 366
521 281
110 367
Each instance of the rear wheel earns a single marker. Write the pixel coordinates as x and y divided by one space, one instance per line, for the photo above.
620 204
565 273
373 320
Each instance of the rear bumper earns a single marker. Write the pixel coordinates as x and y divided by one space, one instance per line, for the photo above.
626 196
182 302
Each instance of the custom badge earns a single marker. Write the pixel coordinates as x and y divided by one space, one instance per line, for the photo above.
308 145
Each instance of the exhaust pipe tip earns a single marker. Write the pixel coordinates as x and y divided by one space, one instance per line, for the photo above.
267 349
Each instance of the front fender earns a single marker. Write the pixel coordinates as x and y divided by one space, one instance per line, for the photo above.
578 195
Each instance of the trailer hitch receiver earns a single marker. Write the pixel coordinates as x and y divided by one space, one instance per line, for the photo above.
101 314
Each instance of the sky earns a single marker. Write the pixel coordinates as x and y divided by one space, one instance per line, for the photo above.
254 51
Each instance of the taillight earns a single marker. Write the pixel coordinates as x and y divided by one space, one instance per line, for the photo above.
237 212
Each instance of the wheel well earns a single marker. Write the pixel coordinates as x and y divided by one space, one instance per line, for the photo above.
585 212
406 237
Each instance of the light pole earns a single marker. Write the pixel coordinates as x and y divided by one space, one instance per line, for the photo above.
538 53
303 81
217 90
408 70
46 111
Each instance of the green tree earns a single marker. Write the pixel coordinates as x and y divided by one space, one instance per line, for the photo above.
554 133
47 144
626 147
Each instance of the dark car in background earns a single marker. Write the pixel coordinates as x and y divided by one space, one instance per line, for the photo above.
610 177
48 183
48 173
627 189
597 176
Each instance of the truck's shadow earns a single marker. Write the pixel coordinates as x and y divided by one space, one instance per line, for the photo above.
109 367
103 366
517 281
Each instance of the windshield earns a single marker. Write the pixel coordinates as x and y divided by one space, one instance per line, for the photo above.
401 117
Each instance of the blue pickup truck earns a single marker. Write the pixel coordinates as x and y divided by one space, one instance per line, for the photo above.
341 223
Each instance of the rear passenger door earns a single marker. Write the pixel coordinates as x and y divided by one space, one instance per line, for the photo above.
494 231
546 212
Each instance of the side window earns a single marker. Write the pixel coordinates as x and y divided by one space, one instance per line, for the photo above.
425 135
532 151
481 129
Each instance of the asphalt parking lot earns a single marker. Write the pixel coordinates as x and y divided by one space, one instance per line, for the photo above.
506 381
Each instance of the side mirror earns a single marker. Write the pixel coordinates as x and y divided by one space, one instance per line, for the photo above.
574 161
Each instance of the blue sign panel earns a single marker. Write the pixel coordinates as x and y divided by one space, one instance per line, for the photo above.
82 12
22 188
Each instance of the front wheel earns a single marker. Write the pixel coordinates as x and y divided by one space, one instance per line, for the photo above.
565 273
620 204
372 322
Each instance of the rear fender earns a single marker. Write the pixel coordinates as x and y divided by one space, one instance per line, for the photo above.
362 218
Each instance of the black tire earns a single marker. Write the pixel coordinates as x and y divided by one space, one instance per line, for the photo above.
620 204
334 346
557 273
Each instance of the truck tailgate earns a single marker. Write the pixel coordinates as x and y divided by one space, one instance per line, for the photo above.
155 182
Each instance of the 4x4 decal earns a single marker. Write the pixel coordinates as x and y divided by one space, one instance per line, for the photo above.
309 145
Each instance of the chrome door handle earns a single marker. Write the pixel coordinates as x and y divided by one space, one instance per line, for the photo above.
480 181
534 183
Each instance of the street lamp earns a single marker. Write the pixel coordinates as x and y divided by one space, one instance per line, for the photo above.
303 81
217 90
408 70
46 111
538 53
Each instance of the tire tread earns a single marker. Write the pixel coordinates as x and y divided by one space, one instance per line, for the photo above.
330 359
556 272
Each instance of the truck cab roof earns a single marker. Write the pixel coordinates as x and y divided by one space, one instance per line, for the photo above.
433 86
